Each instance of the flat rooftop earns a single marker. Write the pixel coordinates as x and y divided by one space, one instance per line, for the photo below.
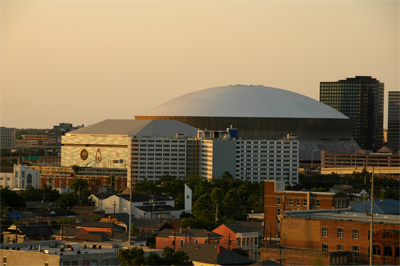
344 215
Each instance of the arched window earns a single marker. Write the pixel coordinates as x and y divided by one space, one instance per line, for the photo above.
388 251
29 180
377 250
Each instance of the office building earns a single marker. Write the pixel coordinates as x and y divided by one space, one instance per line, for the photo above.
8 136
360 99
55 134
260 113
394 120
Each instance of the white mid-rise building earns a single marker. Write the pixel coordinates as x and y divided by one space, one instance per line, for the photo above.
251 160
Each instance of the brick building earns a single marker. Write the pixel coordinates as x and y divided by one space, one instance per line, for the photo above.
344 230
277 199
177 238
239 236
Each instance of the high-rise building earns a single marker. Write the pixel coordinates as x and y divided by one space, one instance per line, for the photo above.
8 136
361 99
394 120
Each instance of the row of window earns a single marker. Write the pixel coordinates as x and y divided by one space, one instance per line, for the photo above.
339 232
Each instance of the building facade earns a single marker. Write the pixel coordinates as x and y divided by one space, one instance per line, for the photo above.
277 200
55 134
361 99
22 177
394 120
334 231
7 137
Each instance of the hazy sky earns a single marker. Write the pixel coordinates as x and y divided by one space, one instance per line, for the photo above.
81 62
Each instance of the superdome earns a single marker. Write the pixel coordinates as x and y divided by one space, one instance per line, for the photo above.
260 112
245 101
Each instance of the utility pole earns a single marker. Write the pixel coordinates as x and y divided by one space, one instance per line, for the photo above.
114 205
216 214
371 243
174 239
229 241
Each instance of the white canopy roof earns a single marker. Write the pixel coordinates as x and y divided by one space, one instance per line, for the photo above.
246 101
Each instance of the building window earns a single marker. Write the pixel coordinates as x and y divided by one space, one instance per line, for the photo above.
324 231
4 259
278 211
304 202
278 223
339 247
388 251
324 247
317 203
278 201
376 250
290 202
355 233
297 202
278 234
196 241
355 250
340 232
181 242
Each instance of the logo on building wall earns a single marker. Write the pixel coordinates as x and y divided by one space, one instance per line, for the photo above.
84 154
117 154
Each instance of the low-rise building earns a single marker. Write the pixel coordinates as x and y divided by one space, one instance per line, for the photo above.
278 199
177 238
342 230
239 236
207 254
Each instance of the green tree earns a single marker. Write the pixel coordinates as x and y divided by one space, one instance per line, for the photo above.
79 185
153 259
151 240
203 208
111 181
217 195
241 251
68 200
131 256
145 187
11 199
196 223
96 217
202 188
171 257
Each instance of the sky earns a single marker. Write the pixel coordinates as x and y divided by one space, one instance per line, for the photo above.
82 62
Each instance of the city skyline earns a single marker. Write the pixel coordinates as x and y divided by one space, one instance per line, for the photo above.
83 62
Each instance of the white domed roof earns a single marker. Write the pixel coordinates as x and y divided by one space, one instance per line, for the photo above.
245 101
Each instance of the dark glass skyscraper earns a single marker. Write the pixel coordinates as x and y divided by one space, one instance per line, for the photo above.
361 99
394 120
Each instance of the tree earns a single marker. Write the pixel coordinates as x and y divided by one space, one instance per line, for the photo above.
79 185
131 256
96 217
151 240
196 223
111 181
11 199
241 251
203 208
171 257
217 195
202 188
68 200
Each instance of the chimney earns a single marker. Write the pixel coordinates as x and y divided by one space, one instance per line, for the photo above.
219 250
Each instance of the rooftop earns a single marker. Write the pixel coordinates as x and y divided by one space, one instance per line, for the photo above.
344 215
245 101
131 127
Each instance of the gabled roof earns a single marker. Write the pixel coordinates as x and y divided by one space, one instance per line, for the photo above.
353 190
387 206
208 253
238 228
103 196
79 209
102 225
68 231
145 197
131 127
33 229
194 233
157 208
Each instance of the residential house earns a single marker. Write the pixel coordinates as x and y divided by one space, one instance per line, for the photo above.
177 238
209 254
18 233
108 228
236 235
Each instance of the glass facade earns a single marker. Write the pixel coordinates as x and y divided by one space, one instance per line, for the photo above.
394 120
360 99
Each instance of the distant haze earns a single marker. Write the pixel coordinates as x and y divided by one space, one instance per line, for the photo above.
81 62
